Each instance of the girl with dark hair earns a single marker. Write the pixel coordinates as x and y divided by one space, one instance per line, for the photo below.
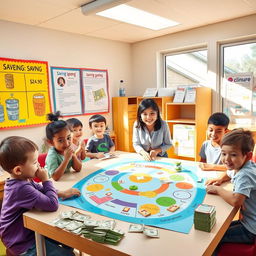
61 156
151 134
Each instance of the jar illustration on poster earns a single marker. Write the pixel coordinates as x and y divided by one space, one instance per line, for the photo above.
12 107
1 113
9 81
39 104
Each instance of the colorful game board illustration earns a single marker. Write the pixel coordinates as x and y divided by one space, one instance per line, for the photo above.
150 193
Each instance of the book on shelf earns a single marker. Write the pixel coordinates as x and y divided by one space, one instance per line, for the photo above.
179 95
190 96
150 92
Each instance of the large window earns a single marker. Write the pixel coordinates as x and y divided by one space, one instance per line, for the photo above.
238 68
186 68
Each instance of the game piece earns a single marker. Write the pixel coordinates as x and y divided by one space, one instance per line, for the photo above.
108 194
178 166
126 209
133 187
144 212
136 228
173 208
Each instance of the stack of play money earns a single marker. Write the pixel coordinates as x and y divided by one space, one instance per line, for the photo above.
140 228
81 224
204 217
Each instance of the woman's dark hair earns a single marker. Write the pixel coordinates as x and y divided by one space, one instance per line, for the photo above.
55 126
145 104
73 123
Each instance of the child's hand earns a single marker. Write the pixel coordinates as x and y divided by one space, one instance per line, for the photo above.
216 182
42 174
100 155
153 154
68 193
68 153
206 167
145 155
212 189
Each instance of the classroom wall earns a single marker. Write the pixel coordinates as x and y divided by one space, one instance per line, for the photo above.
146 55
68 50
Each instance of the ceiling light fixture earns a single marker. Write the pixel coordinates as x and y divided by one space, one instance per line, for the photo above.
131 15
100 5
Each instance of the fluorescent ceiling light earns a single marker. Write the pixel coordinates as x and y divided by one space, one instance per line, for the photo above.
137 17
100 5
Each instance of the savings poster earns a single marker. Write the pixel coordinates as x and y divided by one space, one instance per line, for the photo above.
24 93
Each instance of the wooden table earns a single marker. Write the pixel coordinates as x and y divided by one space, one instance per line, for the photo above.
195 243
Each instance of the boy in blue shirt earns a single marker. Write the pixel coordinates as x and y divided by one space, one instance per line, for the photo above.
100 143
236 152
210 151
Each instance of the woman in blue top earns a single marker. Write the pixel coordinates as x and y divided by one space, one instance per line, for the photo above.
151 135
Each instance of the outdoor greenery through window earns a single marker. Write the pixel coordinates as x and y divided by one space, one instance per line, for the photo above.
238 90
188 68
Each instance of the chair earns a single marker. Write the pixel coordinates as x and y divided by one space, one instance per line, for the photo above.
235 249
41 161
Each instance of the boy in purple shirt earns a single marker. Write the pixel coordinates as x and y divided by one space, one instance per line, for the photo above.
18 156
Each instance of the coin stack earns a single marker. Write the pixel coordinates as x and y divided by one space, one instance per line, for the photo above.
204 217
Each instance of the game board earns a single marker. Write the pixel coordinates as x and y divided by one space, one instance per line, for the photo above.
152 193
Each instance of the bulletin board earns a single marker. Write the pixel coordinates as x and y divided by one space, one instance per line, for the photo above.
95 88
78 91
24 93
67 91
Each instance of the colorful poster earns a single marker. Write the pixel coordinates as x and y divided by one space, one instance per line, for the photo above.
238 98
95 88
24 93
67 91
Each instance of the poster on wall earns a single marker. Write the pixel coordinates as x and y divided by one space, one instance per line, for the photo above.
95 88
67 91
24 93
238 99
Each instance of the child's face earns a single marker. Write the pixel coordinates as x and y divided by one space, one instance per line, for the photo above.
149 117
232 157
77 133
98 129
62 140
28 170
216 132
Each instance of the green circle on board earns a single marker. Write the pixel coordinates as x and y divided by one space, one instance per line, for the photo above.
177 177
165 201
133 187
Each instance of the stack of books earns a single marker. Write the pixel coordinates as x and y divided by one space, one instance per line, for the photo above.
204 217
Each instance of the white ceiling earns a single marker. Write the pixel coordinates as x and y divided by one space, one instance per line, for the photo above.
66 15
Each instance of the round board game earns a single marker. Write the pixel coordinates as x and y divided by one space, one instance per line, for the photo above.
152 193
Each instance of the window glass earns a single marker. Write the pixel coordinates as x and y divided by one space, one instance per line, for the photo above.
237 84
186 68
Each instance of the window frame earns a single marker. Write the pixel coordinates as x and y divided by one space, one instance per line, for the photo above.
221 47
182 51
